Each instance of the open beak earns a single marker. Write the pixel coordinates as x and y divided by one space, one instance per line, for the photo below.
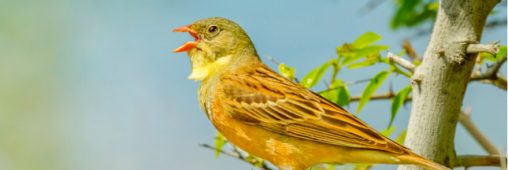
190 44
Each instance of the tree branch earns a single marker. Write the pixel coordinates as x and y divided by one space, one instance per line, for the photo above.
491 72
491 75
358 81
380 96
401 62
238 155
476 160
347 83
496 23
439 80
465 120
411 52
492 48
499 81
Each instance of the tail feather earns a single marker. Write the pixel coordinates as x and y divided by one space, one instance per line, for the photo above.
425 163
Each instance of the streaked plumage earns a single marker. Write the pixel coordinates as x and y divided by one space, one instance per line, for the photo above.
274 118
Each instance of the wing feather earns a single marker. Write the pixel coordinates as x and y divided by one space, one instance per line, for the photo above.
266 99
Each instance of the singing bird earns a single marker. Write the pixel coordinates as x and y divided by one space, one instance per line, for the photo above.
272 117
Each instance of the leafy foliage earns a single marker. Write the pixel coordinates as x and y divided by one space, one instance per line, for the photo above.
388 131
400 139
286 71
374 84
410 13
337 93
398 101
315 75
220 141
366 39
493 58
362 47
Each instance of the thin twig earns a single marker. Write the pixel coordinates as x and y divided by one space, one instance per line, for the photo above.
500 81
491 75
347 83
496 23
336 69
402 62
253 162
232 154
465 120
477 69
271 59
237 151
238 155
411 52
476 160
358 81
380 96
492 48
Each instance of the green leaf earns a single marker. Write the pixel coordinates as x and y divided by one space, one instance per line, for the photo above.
315 75
370 60
344 96
492 58
398 101
433 6
366 39
350 55
220 141
362 47
362 166
374 84
388 131
411 13
286 71
402 137
337 93
394 68
501 53
332 93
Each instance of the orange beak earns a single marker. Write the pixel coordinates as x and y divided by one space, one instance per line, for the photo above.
190 44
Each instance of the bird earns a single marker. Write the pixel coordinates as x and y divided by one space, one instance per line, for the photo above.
272 117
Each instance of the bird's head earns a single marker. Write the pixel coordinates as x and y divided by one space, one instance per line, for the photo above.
218 44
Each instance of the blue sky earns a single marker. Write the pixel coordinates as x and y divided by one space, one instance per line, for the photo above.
124 101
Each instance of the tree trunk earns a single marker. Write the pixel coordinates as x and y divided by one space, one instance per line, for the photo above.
440 82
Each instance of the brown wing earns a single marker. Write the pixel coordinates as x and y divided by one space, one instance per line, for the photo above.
266 99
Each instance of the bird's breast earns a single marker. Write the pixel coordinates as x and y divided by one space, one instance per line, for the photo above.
255 140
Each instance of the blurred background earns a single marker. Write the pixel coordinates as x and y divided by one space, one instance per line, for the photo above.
93 85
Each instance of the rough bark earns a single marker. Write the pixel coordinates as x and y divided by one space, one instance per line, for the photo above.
440 82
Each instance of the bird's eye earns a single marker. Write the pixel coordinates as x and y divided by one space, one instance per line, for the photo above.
213 29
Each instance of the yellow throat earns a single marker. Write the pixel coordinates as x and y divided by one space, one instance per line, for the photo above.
202 68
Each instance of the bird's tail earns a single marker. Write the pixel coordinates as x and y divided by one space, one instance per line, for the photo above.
420 161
